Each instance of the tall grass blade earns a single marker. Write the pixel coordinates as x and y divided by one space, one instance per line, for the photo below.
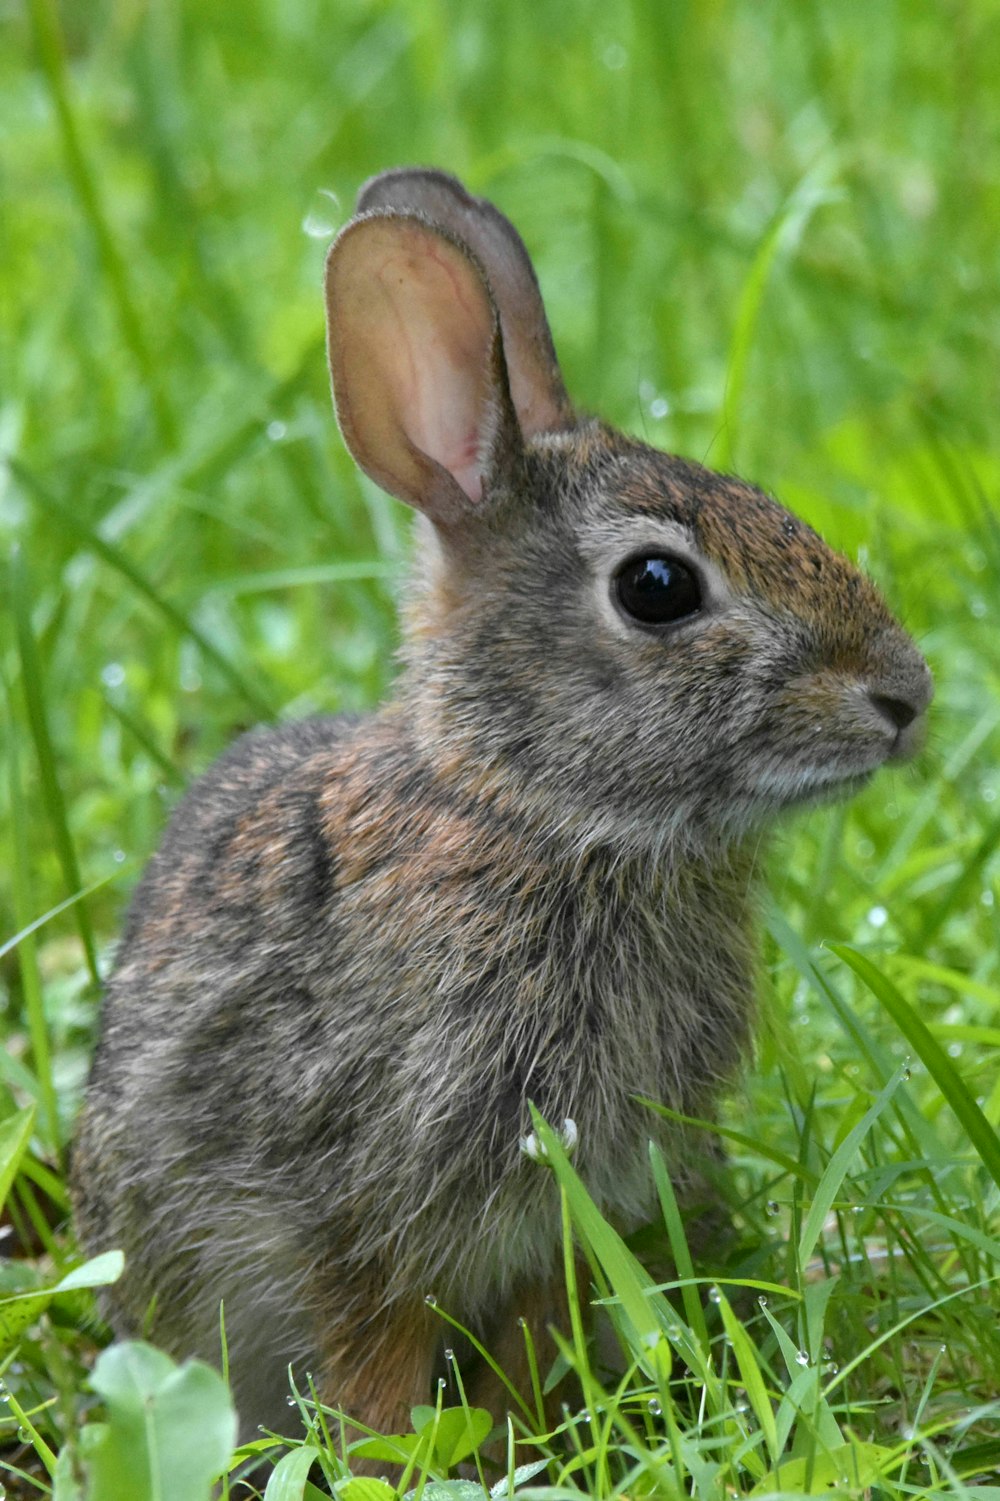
48 40
55 803
836 1170
119 562
935 1060
31 983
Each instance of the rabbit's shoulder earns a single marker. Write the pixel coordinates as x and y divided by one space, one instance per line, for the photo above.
247 830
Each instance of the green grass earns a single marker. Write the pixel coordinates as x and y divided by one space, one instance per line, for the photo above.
766 234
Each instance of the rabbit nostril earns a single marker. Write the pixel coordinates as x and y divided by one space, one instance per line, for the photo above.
898 710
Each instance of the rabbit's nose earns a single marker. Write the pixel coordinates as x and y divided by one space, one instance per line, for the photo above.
901 697
899 710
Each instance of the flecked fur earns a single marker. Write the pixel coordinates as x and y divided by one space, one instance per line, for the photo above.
364 946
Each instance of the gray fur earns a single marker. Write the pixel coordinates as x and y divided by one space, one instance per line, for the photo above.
363 948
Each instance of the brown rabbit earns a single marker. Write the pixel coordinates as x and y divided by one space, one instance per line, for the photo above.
365 946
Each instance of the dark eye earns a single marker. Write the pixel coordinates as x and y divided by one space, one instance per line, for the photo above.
657 590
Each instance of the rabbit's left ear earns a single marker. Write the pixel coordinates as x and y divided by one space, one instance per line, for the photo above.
417 361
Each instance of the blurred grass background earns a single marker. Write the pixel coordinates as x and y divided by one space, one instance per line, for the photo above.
767 234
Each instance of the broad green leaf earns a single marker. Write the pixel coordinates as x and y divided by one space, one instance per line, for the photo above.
391 1448
99 1271
856 1465
19 1313
458 1434
170 1430
364 1488
287 1481
450 1490
499 1492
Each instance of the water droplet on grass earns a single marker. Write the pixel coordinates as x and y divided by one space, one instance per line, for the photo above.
772 1207
654 1407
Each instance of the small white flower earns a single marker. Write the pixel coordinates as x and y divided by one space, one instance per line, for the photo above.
535 1149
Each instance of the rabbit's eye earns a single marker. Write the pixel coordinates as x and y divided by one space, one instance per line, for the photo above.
657 590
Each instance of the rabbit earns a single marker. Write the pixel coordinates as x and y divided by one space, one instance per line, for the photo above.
365 945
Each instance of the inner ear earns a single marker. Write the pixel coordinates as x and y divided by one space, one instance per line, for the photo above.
416 356
536 384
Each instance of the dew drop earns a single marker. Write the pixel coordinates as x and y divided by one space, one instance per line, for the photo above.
290 1401
431 1301
772 1207
276 430
449 1356
654 1407
113 675
762 1301
321 220
878 917
802 1358
714 1295
833 1368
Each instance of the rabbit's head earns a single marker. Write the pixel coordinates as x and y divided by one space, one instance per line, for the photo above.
622 644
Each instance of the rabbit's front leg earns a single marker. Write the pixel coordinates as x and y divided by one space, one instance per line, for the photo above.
375 1371
533 1311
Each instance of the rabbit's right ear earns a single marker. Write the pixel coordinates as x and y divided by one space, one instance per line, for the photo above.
536 383
416 358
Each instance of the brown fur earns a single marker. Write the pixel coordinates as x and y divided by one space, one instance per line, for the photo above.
363 948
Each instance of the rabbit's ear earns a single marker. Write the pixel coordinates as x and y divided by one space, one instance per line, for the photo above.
417 361
536 385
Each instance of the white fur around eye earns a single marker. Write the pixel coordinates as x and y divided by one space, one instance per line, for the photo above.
610 545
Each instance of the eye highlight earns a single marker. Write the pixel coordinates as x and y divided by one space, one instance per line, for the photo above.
656 589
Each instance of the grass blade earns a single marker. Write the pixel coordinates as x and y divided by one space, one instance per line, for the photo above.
935 1060
134 576
27 955
833 1175
55 803
45 24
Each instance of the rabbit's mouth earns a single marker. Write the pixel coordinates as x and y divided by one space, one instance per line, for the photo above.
809 786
